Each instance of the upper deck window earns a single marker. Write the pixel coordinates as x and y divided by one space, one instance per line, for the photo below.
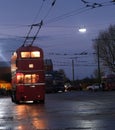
25 54
33 54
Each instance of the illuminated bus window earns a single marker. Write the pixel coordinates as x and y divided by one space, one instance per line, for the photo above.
14 56
25 54
31 66
27 78
35 78
35 54
20 77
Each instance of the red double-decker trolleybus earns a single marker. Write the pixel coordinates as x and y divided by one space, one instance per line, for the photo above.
28 80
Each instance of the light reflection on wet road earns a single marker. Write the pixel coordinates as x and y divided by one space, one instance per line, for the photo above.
61 111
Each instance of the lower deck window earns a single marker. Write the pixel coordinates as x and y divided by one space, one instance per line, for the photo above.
27 78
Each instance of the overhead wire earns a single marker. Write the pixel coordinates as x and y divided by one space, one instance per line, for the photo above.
39 11
63 16
81 10
41 23
66 15
48 12
69 14
38 24
33 25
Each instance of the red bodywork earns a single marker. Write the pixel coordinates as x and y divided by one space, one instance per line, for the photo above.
28 79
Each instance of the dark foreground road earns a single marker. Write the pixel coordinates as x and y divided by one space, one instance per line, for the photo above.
61 111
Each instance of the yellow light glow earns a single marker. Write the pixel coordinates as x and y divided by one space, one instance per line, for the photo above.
35 54
25 54
31 66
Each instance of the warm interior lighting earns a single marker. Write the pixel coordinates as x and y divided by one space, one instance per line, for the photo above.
20 77
27 78
33 54
31 66
25 54
13 62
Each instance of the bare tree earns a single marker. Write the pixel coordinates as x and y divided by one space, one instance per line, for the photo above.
104 45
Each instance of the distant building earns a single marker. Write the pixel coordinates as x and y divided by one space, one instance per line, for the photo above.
48 65
5 71
5 77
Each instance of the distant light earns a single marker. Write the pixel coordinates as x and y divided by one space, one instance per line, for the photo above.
82 30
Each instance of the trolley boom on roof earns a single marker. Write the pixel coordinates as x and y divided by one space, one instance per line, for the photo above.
30 39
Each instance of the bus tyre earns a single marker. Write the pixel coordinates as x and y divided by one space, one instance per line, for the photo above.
35 101
41 101
12 99
17 102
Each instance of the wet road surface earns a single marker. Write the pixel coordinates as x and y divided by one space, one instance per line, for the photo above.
61 111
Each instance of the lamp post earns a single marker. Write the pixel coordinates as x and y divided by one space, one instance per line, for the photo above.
81 30
98 60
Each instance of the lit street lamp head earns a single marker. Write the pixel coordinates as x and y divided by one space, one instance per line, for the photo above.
82 30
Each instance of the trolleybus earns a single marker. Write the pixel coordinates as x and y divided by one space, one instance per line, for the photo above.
28 78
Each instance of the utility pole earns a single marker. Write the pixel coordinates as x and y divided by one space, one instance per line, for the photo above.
99 72
73 73
98 61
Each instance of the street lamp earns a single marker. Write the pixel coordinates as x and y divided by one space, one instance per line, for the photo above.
82 30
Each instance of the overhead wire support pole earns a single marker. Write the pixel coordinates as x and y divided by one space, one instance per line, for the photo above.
73 75
98 58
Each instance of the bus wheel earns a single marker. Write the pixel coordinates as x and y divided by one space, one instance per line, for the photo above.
35 101
41 101
13 98
17 102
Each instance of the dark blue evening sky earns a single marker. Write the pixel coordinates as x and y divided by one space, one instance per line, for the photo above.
59 36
